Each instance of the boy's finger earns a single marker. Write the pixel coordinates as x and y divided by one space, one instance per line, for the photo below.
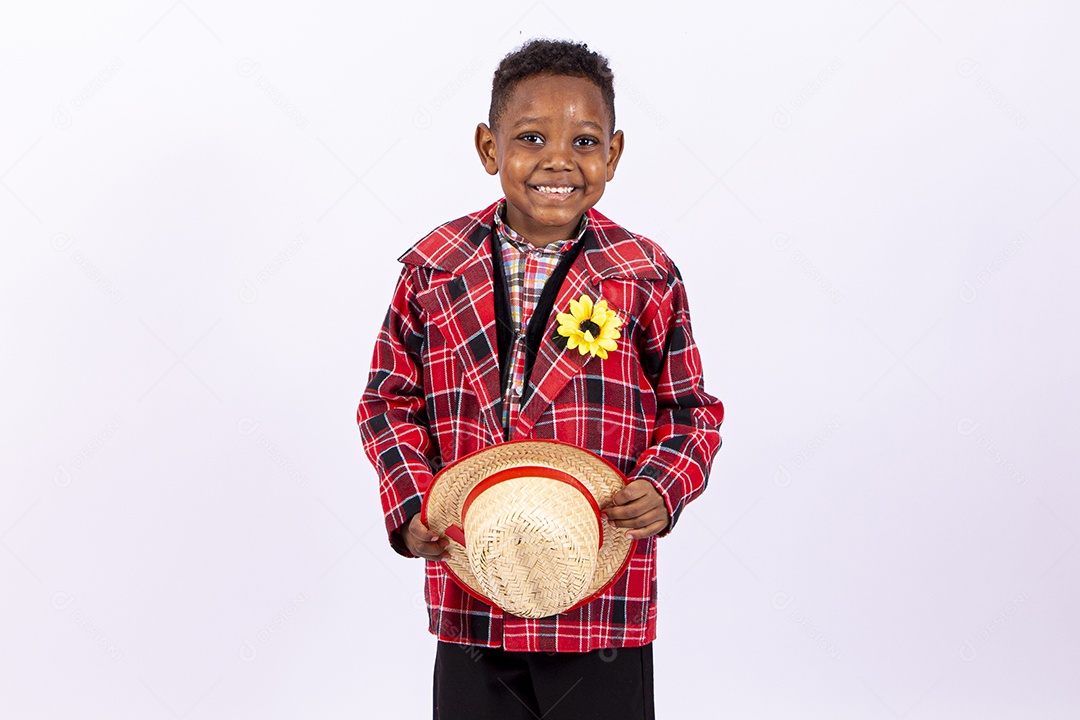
619 500
621 512
632 509
421 532
635 490
431 551
647 531
643 519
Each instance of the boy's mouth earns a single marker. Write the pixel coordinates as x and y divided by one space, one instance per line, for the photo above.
557 192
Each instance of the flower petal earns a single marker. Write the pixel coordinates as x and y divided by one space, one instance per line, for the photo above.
586 307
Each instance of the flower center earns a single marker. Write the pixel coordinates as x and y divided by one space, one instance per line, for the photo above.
590 327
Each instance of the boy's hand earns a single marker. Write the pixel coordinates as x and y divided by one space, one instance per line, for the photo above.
639 507
423 542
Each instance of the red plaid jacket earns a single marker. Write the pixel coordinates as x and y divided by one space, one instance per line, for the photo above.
433 396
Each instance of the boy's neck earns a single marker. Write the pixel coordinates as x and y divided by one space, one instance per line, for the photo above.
545 239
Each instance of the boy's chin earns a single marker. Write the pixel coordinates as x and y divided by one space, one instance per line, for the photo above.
560 218
553 211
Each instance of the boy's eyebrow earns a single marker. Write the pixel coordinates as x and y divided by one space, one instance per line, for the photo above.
527 121
530 120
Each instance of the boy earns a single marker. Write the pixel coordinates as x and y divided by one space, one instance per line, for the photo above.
471 355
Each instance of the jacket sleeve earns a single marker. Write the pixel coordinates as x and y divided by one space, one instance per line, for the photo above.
392 414
687 431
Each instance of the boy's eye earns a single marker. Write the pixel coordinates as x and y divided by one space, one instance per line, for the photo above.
531 138
587 141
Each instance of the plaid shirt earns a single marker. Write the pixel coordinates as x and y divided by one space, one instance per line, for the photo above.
434 395
527 268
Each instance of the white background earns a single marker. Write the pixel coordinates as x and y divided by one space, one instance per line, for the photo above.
875 208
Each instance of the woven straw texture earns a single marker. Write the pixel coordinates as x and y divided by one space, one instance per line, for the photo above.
532 542
531 546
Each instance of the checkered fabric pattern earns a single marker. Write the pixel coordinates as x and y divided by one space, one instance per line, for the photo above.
433 396
526 269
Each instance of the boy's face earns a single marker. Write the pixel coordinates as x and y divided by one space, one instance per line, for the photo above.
554 152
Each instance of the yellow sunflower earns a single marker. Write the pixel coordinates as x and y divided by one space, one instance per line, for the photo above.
589 327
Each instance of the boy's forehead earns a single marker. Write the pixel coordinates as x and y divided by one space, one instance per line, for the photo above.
537 96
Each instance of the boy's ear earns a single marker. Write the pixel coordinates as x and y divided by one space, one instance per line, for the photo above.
614 153
485 147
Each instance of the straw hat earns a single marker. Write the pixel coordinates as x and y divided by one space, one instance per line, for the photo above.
524 524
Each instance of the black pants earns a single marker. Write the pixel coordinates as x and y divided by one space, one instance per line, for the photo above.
478 683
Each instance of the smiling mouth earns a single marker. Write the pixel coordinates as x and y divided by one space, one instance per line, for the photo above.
554 191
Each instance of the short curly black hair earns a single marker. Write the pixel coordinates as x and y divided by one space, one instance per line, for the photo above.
551 57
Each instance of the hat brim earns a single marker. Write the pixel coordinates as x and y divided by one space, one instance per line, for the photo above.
443 501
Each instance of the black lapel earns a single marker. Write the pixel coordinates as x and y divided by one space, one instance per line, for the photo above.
504 322
534 335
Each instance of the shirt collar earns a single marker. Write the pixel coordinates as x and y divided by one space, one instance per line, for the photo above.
509 235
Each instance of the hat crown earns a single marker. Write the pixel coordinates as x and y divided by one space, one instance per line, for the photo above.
533 543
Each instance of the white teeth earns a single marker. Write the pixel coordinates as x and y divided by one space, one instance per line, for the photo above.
550 189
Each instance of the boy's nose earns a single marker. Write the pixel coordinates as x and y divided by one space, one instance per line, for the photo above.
558 157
